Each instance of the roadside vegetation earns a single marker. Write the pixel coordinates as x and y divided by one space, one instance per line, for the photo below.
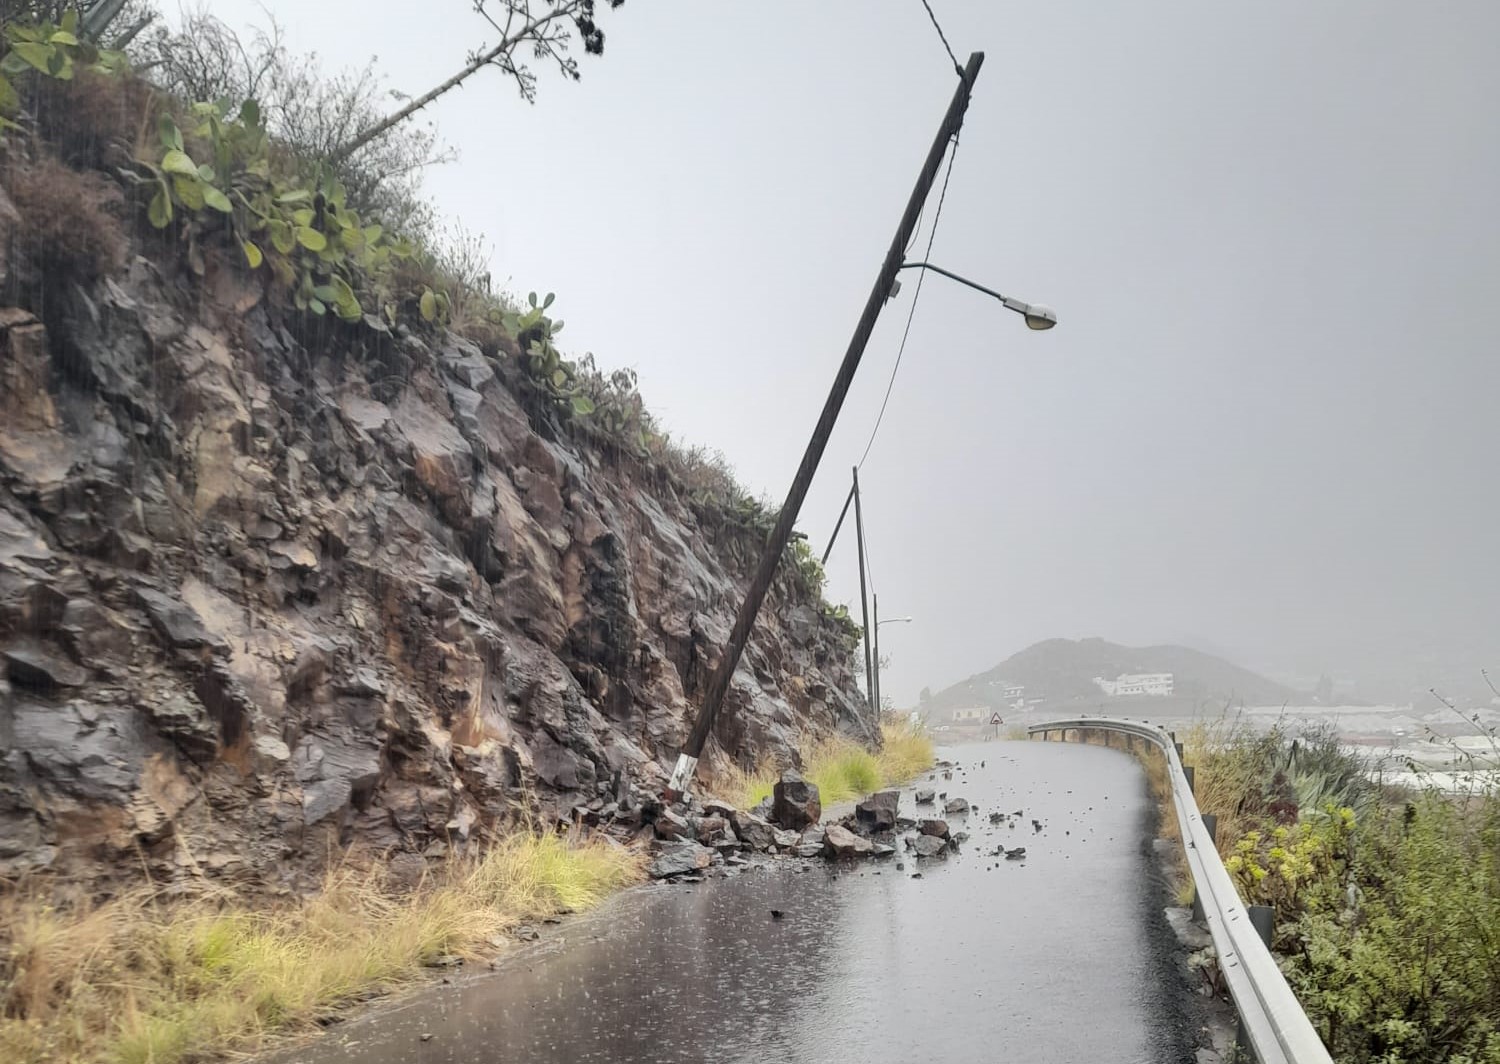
1387 900
142 979
840 767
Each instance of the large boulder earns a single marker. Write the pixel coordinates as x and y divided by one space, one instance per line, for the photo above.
679 858
840 842
877 812
936 828
795 803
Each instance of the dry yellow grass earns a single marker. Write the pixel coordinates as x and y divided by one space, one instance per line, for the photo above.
841 768
1216 791
142 981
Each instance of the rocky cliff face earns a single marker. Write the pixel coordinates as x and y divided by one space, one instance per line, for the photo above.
264 595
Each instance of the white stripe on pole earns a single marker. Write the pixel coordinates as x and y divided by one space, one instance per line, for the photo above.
682 775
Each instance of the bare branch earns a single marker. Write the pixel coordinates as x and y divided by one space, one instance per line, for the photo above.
548 35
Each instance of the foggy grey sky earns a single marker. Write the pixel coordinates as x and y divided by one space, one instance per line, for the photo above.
1267 423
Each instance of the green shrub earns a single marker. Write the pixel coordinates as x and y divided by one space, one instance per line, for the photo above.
1387 904
1405 968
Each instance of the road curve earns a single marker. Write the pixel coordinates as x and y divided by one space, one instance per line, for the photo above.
1063 957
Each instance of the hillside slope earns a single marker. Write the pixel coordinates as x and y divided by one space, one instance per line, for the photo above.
270 586
1059 670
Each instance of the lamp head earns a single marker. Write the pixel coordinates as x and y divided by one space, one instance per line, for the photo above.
1039 317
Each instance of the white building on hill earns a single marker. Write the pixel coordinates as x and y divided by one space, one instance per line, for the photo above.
1141 683
1009 691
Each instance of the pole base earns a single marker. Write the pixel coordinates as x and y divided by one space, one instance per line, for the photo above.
682 778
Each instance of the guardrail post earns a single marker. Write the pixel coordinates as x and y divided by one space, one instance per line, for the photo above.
1263 919
1211 825
1187 770
1178 747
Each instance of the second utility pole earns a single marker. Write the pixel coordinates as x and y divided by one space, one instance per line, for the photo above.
718 684
864 600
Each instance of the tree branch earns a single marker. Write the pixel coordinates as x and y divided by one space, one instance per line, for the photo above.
531 30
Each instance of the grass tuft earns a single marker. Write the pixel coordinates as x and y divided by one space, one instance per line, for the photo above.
141 981
841 768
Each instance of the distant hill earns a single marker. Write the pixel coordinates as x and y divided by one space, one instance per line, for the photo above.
1063 670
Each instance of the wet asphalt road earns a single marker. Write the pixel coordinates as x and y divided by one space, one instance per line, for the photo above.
1062 957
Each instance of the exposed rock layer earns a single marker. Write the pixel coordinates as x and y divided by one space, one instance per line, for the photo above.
263 595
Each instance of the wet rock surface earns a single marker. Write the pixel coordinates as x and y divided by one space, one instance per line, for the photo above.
275 595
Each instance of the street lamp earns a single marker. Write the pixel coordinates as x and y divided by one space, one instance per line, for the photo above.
895 620
1037 316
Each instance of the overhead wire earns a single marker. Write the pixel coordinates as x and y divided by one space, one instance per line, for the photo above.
912 312
944 38
916 295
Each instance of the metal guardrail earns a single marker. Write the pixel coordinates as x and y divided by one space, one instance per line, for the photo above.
1274 1023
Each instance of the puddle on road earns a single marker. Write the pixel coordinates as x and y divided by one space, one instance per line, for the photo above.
980 959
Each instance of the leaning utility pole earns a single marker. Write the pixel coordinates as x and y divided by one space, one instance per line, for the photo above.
718 685
864 601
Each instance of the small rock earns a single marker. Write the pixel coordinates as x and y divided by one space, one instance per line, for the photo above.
679 859
840 842
926 797
527 933
177 622
755 832
930 845
956 805
269 752
712 829
936 828
445 960
671 826
33 665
